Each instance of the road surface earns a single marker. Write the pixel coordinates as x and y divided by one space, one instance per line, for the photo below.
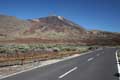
97 65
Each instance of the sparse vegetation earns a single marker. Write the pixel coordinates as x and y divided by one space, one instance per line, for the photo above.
20 53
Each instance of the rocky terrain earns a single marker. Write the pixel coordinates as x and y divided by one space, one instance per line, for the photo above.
32 40
52 29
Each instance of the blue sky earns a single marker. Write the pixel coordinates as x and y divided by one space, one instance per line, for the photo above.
91 14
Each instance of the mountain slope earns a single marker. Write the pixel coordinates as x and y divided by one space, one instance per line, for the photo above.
52 29
103 37
10 26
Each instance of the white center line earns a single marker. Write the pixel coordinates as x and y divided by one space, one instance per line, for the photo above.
68 72
90 59
98 54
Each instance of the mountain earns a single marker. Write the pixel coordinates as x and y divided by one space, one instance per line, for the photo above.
103 37
10 26
52 29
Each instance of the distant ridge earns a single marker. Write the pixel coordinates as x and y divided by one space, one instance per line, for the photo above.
52 29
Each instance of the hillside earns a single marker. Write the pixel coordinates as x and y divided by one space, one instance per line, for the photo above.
52 29
11 26
103 37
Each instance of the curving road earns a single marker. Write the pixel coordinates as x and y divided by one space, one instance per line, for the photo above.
97 65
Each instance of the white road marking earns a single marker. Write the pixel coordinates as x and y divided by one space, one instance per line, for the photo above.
90 59
13 74
68 72
118 66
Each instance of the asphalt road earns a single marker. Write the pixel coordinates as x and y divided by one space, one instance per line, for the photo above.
97 65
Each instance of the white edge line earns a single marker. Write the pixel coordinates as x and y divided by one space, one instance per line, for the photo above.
118 66
90 59
68 72
13 74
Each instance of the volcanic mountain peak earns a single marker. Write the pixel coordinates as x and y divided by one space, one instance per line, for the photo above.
60 17
53 28
35 20
56 23
49 18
